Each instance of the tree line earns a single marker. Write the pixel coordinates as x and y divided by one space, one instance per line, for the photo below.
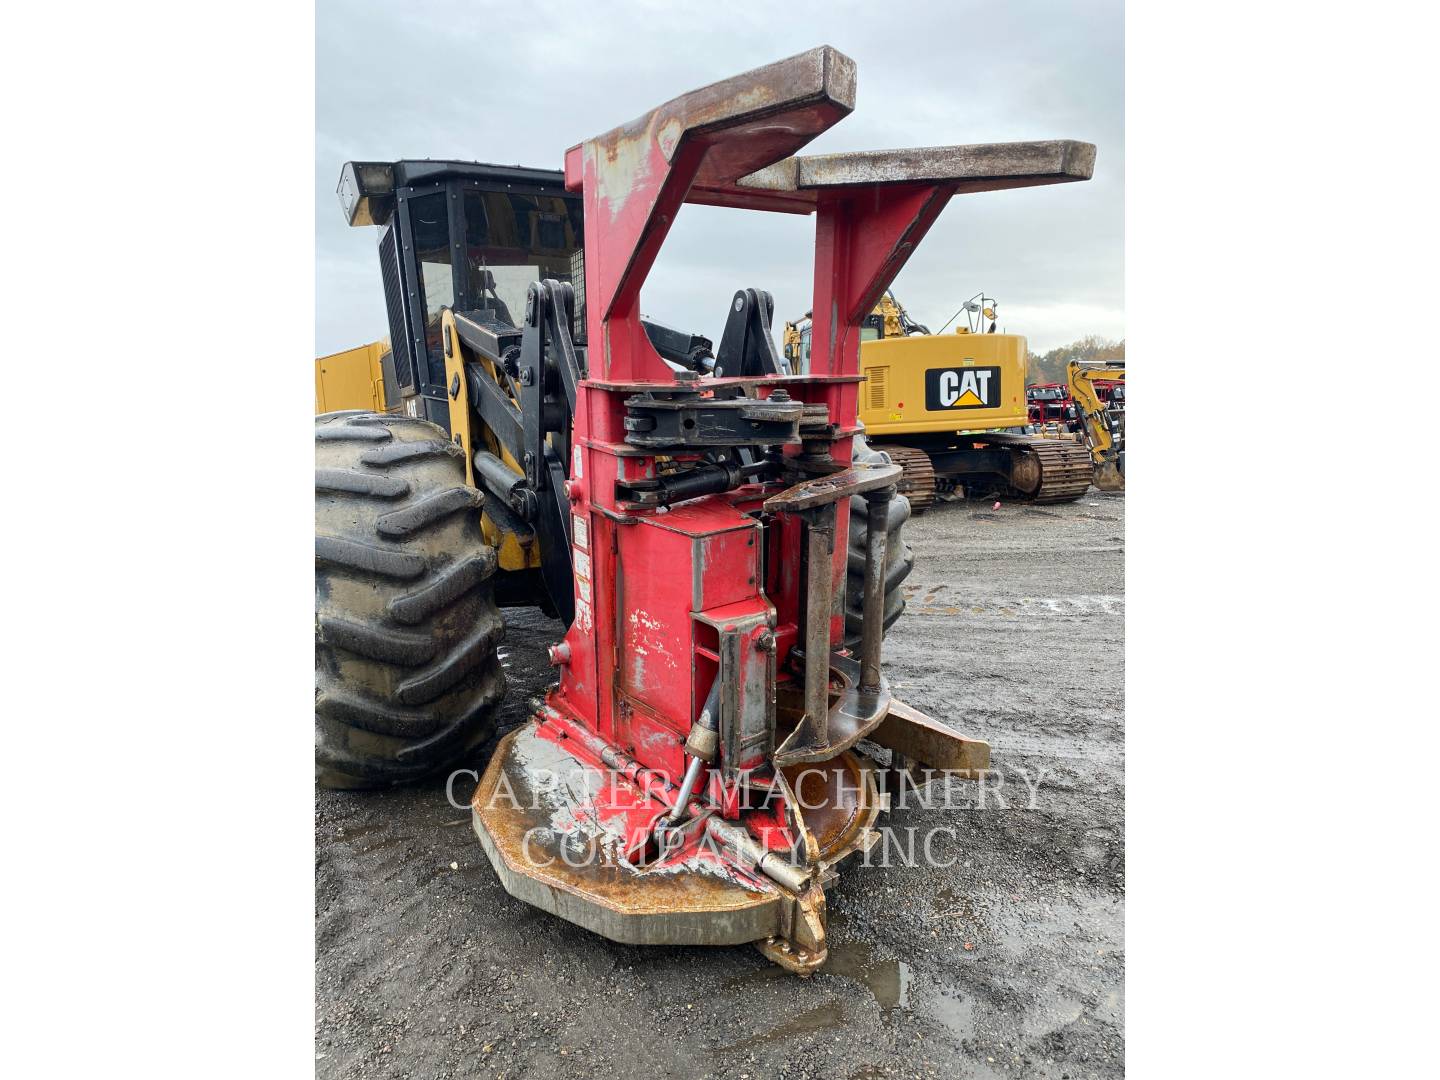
1051 366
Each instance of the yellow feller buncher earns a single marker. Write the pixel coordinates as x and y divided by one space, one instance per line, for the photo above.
720 547
950 409
1103 422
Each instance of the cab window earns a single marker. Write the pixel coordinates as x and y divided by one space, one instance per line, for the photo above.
430 224
512 240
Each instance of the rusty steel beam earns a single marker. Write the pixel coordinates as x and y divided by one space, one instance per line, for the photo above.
877 507
859 478
977 167
636 176
911 733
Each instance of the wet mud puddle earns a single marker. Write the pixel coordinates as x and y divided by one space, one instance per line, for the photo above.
887 980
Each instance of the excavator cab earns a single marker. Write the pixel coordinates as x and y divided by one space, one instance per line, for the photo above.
796 345
461 235
887 320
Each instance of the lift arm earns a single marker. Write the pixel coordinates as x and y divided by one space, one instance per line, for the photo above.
1106 451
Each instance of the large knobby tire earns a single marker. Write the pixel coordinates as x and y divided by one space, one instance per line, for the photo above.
406 628
899 559
917 482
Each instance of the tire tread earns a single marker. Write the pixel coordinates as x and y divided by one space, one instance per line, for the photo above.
406 629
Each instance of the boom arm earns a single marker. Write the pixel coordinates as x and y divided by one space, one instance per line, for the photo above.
1106 451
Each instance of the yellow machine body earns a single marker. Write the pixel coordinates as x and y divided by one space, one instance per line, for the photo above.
950 409
352 379
942 383
513 554
1104 428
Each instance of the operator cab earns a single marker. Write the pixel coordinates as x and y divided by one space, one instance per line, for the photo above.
462 235
797 338
797 344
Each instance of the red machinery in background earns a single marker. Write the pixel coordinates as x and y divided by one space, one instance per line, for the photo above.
693 778
1050 403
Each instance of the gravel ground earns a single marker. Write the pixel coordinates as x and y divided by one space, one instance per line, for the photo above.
1008 961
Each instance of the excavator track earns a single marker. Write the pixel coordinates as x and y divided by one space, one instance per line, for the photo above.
1045 470
917 475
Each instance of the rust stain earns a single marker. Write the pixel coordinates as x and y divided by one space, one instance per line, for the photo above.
549 799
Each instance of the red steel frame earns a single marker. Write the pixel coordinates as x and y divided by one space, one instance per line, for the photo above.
667 598
628 675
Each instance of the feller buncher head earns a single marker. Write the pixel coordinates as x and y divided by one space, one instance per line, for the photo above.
693 777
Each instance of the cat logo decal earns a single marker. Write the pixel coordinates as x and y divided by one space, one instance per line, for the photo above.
962 388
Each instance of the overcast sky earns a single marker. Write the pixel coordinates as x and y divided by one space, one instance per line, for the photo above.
493 82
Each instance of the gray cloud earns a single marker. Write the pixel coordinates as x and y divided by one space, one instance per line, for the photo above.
485 82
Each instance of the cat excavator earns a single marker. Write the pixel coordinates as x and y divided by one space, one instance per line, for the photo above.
950 409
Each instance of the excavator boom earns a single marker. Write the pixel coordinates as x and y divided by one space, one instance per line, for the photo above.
1104 428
